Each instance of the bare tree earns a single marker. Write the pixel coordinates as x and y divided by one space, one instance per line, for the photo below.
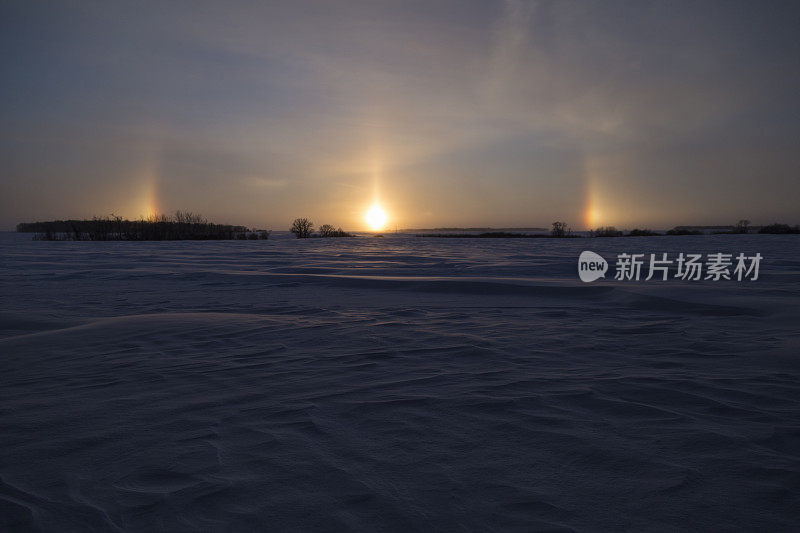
742 226
302 227
326 230
560 229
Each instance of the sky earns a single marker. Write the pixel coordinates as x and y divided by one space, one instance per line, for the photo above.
462 113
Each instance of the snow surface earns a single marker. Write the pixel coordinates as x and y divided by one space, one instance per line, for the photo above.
394 384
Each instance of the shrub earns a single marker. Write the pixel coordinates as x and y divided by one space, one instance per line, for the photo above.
608 231
779 229
642 233
684 232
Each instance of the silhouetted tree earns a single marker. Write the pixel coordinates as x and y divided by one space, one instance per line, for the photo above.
560 229
608 231
302 227
326 230
642 233
779 229
741 226
683 231
156 228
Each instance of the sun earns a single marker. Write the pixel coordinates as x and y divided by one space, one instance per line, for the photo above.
376 217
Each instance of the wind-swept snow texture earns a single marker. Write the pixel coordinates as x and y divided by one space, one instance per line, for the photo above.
395 384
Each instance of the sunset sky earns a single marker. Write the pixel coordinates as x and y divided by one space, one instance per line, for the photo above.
445 113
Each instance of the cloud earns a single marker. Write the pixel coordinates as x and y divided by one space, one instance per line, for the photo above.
505 112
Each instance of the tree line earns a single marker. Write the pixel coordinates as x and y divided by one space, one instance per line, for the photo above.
183 225
562 230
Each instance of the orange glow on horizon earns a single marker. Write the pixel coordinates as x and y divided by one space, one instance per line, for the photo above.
592 217
149 205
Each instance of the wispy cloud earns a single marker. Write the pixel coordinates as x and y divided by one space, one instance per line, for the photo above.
475 113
